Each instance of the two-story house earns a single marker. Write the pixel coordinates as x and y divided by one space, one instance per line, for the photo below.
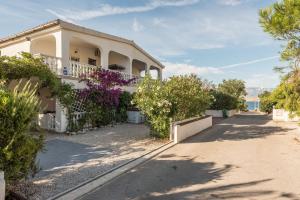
70 50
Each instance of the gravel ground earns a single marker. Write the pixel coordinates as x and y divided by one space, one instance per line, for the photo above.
84 156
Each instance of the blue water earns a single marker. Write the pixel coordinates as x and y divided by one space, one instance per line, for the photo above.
252 105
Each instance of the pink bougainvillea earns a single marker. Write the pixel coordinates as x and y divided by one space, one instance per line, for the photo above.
103 87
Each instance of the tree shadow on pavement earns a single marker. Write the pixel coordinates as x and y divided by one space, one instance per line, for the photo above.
160 176
237 128
230 191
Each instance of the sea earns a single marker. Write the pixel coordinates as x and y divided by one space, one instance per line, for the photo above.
252 105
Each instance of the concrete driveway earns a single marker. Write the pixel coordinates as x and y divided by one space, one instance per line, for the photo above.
244 157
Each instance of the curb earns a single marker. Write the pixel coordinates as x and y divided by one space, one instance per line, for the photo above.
89 185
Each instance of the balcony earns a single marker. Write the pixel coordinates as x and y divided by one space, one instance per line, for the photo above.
76 69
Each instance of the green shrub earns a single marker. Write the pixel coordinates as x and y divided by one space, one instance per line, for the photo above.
178 98
235 88
18 147
124 104
223 101
266 102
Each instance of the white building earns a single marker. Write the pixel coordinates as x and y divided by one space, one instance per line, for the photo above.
70 50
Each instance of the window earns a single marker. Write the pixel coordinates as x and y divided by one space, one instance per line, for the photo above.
92 62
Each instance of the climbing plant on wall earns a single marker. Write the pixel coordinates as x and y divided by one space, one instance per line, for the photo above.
101 98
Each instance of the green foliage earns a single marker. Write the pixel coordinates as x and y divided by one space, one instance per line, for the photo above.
287 95
223 101
266 102
124 104
26 67
18 148
235 88
178 98
281 21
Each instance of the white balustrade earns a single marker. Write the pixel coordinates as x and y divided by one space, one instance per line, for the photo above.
51 61
77 69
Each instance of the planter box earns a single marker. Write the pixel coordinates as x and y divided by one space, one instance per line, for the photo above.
219 113
183 129
2 186
281 115
135 117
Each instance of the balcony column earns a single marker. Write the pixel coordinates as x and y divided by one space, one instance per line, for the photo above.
104 58
130 67
147 69
159 73
62 53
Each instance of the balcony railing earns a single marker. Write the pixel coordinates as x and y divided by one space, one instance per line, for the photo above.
76 69
51 61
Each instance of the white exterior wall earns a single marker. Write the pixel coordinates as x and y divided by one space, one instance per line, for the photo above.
219 113
46 47
84 53
106 45
281 115
181 132
15 49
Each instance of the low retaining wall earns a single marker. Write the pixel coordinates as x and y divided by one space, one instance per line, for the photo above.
2 186
135 117
183 129
219 113
281 115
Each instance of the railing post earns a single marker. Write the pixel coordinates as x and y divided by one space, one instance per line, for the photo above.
2 186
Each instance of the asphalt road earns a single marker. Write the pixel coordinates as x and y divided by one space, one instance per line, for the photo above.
244 157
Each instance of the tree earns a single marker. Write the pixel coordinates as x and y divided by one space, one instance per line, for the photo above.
178 98
281 21
223 101
266 102
235 88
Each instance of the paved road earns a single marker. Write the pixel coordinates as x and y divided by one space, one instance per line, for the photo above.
244 157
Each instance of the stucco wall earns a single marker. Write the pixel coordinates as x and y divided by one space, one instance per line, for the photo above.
187 128
219 113
45 46
15 49
284 116
115 58
84 53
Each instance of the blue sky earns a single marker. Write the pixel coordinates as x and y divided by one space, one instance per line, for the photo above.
216 39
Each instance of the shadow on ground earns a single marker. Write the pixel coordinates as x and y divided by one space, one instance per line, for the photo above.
168 179
240 127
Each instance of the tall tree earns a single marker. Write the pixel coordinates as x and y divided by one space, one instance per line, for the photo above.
282 21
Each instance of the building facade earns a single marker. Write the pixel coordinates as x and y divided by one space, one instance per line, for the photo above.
71 50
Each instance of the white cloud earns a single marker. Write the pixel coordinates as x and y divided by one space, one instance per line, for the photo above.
107 9
187 68
184 68
230 2
160 22
263 80
136 26
249 62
